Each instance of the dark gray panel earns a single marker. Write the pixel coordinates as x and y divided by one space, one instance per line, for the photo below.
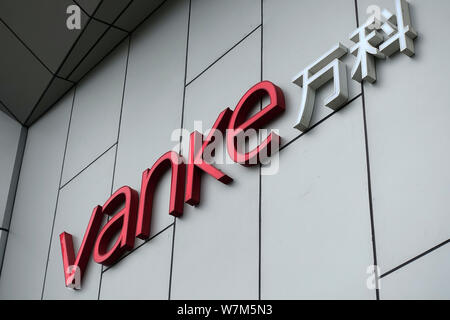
90 36
42 26
88 5
55 91
6 110
109 10
136 13
44 45
22 77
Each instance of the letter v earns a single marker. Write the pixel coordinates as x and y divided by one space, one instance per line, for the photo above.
85 250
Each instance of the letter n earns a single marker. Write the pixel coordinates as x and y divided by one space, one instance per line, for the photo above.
150 178
124 223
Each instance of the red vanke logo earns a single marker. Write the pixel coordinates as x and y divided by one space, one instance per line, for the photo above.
135 215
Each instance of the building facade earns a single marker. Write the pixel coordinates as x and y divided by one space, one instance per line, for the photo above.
365 188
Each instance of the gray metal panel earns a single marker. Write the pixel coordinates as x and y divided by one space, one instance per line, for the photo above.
3 239
72 216
10 132
316 236
28 241
15 177
153 100
146 270
407 119
426 278
291 43
29 74
216 244
42 26
216 26
109 43
96 113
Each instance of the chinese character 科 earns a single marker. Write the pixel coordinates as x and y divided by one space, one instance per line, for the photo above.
315 76
365 51
399 30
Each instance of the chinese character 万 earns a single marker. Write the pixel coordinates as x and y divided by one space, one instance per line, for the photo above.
315 76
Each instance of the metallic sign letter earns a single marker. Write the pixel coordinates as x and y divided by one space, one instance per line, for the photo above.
315 76
69 263
365 51
150 179
196 164
399 27
124 221
239 123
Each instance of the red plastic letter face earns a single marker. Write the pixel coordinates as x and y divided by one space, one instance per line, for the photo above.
124 223
196 164
84 253
239 123
150 179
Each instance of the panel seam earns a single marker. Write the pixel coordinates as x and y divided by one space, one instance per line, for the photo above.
98 41
57 195
369 178
139 246
260 165
415 258
223 55
87 166
100 20
117 144
18 162
181 141
36 57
